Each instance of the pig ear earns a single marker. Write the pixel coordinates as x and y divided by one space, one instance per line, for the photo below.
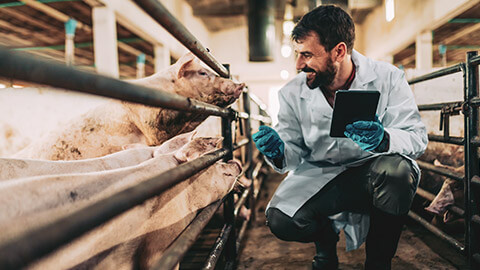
185 62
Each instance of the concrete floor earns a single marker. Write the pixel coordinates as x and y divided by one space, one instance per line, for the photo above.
262 250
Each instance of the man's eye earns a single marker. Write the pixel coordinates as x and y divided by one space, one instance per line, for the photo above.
202 73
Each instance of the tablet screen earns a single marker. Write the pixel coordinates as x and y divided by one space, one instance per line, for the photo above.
350 106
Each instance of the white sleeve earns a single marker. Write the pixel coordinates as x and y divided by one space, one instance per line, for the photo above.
290 132
408 134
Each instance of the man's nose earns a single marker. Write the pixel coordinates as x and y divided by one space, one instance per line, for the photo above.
299 64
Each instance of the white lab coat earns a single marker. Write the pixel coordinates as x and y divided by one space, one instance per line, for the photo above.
314 158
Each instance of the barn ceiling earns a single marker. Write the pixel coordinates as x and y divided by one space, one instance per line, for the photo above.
29 28
459 35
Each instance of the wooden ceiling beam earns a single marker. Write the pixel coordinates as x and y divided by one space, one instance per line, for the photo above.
25 18
64 18
26 32
461 33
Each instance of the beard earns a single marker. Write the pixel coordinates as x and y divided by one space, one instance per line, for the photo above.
322 78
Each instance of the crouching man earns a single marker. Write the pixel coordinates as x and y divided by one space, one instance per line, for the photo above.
364 183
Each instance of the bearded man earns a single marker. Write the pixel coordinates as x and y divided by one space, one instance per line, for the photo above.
364 183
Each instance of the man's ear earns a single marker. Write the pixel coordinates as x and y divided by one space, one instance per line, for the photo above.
340 51
184 62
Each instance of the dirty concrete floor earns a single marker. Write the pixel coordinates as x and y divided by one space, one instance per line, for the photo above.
261 250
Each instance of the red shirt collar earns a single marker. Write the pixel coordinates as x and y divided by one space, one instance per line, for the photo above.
349 82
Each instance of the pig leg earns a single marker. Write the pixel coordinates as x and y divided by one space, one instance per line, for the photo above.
443 199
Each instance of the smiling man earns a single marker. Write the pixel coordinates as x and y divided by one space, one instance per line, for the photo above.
364 183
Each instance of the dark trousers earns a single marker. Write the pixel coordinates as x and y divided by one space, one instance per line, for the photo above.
383 187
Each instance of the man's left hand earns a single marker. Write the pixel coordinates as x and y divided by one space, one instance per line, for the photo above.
367 134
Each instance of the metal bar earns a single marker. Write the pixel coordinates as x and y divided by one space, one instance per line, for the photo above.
258 101
17 65
241 234
441 138
439 106
439 73
229 204
218 247
19 252
475 101
175 252
249 151
442 171
159 13
474 60
241 143
429 196
452 241
471 157
243 115
241 201
260 118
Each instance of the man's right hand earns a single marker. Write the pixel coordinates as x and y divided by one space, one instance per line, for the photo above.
269 143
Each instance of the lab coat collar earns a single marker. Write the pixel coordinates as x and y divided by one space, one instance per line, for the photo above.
364 70
364 74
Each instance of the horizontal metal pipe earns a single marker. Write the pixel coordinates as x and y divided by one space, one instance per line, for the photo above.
159 13
429 196
439 106
243 115
218 247
475 101
241 143
266 120
442 171
17 65
452 241
241 201
258 101
175 252
19 252
439 73
450 140
474 60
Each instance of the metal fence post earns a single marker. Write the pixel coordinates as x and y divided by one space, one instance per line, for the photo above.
471 159
249 152
229 204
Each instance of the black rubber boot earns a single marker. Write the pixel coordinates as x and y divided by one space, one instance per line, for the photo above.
326 251
382 239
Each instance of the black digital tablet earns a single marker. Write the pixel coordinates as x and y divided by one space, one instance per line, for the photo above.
350 106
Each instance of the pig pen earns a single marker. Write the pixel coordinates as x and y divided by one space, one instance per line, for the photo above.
34 244
453 143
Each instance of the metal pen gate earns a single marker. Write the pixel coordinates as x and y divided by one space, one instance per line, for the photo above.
24 249
470 141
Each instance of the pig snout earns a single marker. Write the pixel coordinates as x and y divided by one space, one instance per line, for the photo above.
233 89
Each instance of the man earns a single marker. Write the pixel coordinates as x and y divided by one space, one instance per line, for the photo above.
363 184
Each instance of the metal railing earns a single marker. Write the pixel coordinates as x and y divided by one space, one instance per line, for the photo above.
469 108
24 249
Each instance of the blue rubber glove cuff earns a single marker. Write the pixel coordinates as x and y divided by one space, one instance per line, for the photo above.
269 143
367 134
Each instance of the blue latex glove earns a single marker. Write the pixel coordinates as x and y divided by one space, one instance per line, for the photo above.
268 142
367 134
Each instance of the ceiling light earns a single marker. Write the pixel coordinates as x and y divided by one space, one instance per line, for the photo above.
389 10
286 50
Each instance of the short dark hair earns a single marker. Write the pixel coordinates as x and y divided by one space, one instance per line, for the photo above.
332 24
